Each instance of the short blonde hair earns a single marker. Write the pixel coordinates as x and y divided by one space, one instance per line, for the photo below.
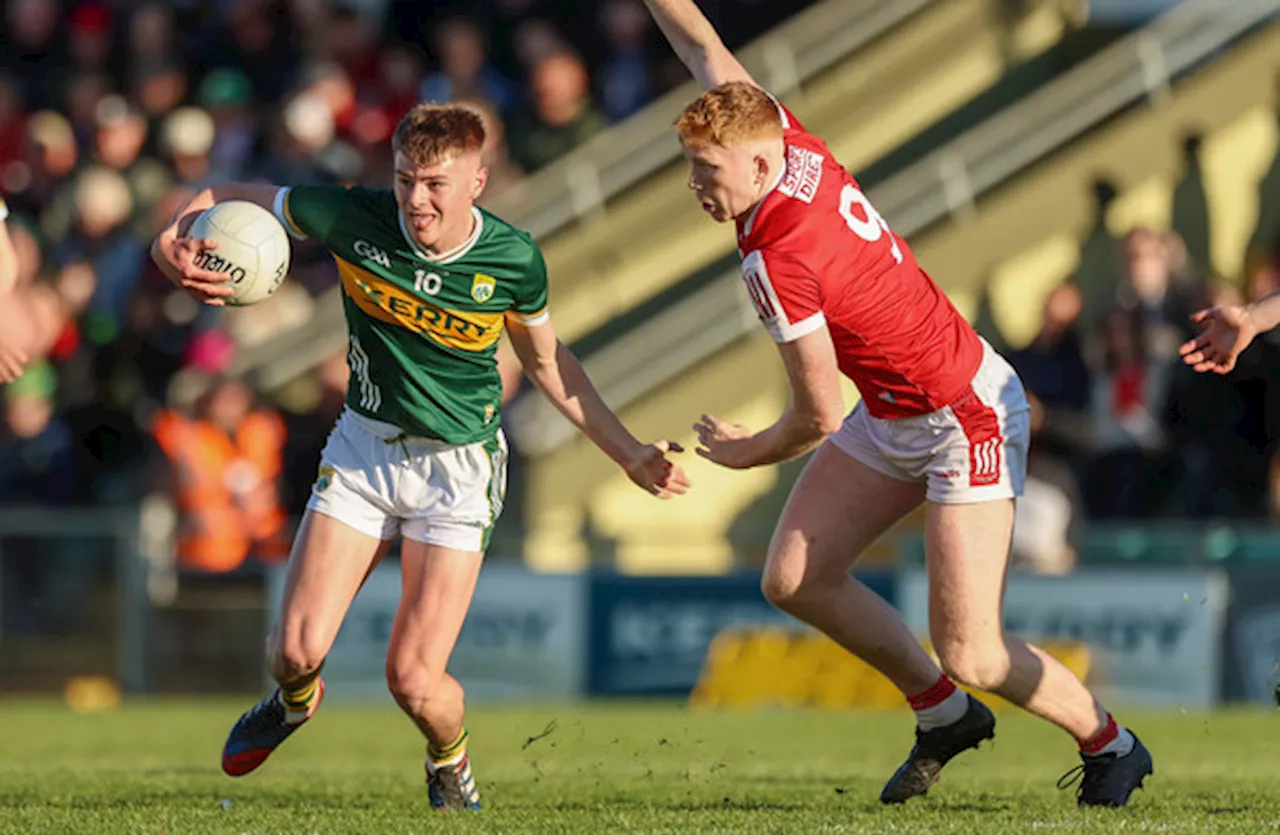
729 114
430 131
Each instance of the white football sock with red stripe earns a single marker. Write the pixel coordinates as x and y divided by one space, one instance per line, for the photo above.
940 705
1112 739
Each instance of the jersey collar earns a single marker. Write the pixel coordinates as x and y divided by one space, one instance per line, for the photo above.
452 255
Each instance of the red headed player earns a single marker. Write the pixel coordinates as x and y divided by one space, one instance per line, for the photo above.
943 420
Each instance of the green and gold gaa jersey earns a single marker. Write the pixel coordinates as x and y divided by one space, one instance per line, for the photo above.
424 333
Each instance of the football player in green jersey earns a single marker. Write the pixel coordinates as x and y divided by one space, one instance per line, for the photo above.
429 281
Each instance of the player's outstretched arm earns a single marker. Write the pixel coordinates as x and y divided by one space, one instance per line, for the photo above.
13 358
696 43
816 410
175 253
1228 330
557 373
8 255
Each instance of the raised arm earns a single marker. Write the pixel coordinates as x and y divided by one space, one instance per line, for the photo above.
174 253
556 372
696 43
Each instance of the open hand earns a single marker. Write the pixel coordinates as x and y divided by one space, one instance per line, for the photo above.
1228 330
724 443
653 473
207 286
12 361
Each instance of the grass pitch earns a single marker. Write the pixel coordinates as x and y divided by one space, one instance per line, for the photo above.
152 767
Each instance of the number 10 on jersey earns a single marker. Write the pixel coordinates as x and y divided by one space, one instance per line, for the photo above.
426 283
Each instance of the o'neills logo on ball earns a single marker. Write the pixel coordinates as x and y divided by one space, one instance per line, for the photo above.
209 260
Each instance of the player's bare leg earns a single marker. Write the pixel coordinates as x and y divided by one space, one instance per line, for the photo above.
436 588
838 508
968 547
329 563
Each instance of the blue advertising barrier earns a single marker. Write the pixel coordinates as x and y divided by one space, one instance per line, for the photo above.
649 635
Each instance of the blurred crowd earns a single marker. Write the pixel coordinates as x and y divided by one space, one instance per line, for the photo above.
1122 429
114 112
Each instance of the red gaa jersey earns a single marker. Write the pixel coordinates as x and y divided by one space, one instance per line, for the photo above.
815 252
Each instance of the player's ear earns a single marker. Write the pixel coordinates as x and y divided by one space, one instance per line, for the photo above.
477 186
761 166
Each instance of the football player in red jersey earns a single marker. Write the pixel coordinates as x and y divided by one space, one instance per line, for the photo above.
942 420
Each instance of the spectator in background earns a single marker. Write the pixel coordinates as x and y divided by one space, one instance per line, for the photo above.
496 156
1097 276
1150 258
464 71
1191 205
224 463
1219 432
254 42
41 190
226 95
89 37
625 84
533 41
118 145
187 136
102 237
385 102
1053 371
151 41
85 91
561 116
37 467
32 50
13 129
1126 403
159 88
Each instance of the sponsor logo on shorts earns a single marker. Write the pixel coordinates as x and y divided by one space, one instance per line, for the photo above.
482 287
324 479
984 462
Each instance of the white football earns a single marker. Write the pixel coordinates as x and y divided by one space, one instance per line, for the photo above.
253 249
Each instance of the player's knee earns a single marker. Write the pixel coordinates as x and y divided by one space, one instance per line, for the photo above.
786 589
410 681
981 666
296 654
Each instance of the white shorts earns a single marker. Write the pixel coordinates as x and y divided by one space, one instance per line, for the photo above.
974 450
382 483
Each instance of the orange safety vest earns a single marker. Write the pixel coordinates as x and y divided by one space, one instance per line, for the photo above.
227 493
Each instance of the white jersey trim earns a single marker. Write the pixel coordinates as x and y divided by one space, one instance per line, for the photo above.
453 254
533 320
769 307
282 214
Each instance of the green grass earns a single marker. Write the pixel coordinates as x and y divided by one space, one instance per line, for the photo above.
648 768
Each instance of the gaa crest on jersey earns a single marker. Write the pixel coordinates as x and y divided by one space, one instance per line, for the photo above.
324 479
482 287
